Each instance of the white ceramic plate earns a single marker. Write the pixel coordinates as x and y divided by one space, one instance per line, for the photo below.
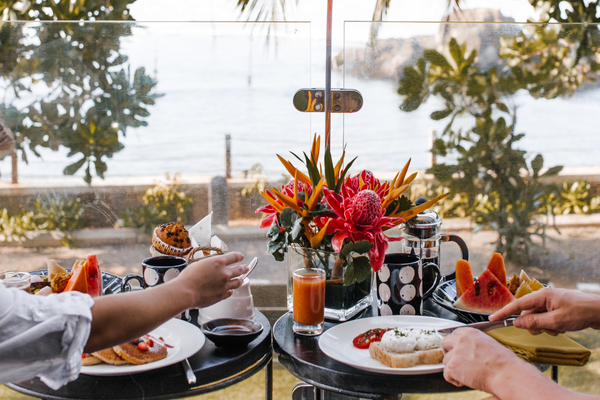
186 339
337 342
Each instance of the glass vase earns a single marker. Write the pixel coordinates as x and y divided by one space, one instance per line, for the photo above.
341 302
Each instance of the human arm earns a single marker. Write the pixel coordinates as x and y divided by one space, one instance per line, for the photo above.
117 319
476 360
553 311
45 336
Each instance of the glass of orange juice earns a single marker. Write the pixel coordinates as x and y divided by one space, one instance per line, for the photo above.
308 296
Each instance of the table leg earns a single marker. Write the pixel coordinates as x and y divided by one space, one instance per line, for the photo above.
306 391
269 380
554 373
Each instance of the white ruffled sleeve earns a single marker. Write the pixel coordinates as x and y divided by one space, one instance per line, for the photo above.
43 336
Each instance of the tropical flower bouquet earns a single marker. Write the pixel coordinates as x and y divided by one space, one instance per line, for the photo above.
334 220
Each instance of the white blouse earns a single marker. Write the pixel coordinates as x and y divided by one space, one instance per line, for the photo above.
43 336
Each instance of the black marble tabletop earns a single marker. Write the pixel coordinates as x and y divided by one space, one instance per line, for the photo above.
303 358
215 368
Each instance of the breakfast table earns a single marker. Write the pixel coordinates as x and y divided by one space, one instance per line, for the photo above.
325 377
215 368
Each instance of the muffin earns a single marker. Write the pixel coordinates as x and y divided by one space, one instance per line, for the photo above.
172 239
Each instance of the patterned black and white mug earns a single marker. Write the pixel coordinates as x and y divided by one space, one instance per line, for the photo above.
400 284
156 270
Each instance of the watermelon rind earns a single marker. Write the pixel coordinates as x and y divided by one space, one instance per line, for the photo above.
487 295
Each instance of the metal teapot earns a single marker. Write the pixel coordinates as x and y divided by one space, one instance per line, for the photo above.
422 237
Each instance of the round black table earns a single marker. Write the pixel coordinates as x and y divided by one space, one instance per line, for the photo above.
215 368
302 356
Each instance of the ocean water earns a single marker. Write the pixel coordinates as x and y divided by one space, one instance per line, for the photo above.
223 79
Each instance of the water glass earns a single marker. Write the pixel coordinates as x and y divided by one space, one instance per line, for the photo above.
16 279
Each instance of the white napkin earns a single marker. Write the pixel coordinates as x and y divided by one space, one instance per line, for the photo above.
200 233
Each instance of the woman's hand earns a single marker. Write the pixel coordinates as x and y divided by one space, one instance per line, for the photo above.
472 358
119 318
213 279
476 360
553 311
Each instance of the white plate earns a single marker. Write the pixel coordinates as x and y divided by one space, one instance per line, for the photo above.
337 342
185 338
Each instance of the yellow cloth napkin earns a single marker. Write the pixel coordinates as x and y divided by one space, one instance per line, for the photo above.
543 348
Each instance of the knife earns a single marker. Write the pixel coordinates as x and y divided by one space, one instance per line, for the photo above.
482 326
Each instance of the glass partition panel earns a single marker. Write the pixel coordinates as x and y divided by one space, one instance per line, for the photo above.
488 112
503 116
101 112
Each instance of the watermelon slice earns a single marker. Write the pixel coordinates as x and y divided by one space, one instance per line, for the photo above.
487 295
94 276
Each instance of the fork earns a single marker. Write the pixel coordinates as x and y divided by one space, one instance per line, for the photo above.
189 372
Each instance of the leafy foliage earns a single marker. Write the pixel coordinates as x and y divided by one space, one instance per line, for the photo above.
575 199
65 215
14 227
354 256
504 189
163 202
90 96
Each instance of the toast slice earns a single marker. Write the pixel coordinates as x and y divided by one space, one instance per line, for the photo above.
405 360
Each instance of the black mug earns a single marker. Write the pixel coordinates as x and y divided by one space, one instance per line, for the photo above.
400 284
156 270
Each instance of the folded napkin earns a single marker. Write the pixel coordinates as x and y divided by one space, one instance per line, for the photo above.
543 348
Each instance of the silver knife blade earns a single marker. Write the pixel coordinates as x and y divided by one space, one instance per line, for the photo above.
482 326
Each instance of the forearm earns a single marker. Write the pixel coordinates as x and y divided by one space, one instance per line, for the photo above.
122 317
523 381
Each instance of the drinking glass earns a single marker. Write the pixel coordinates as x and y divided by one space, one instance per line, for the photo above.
308 296
16 279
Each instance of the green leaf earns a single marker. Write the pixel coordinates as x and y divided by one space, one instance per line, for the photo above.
502 107
438 115
455 51
340 182
274 230
101 168
358 269
287 218
297 230
405 203
537 164
329 168
553 171
360 247
273 247
435 58
73 168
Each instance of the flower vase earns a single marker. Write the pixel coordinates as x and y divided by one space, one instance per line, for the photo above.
341 302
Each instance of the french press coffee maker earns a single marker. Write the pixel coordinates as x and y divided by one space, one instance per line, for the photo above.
422 237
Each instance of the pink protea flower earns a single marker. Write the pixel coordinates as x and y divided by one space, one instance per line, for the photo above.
359 215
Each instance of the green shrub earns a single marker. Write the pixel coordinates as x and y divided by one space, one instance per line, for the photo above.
65 215
163 202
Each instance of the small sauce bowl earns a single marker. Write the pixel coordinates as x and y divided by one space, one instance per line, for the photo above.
231 332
